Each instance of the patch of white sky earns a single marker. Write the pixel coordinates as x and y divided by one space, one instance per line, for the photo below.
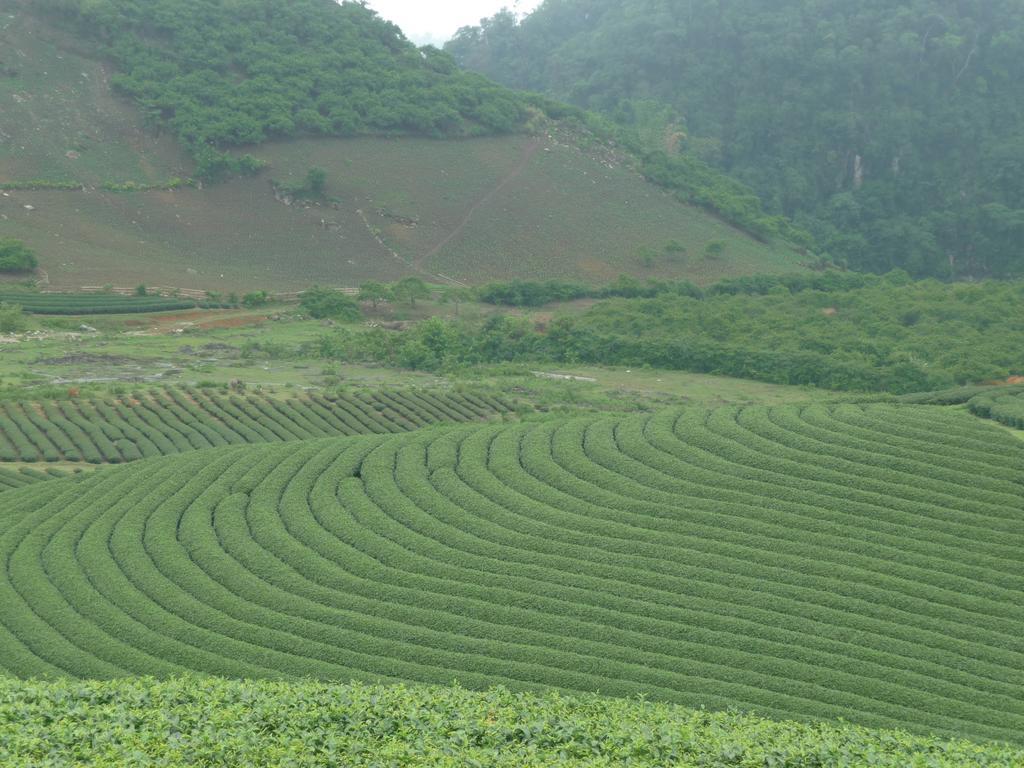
428 22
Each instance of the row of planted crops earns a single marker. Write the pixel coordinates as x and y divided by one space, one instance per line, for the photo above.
160 422
857 562
213 722
97 303
1005 405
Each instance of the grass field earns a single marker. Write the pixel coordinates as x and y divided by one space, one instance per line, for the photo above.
531 206
804 562
188 722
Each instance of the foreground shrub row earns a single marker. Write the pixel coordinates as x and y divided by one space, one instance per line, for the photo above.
172 420
861 562
204 721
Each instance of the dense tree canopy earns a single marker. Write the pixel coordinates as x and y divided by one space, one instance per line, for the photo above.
862 332
223 73
891 130
16 257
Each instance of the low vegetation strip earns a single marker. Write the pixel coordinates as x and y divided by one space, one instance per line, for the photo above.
856 562
159 422
94 303
207 721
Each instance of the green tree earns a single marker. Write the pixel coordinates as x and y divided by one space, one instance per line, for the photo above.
16 257
328 303
316 181
375 292
12 319
410 289
255 299
457 297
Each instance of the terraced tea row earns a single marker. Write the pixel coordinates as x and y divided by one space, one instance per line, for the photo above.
168 421
19 478
1004 405
96 303
862 562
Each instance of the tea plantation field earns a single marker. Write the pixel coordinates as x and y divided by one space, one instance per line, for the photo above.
804 562
1004 405
192 721
94 303
173 420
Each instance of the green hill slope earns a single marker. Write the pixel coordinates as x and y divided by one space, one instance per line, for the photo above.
215 722
811 563
526 204
890 130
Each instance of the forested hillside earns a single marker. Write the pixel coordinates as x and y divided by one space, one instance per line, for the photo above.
890 130
226 74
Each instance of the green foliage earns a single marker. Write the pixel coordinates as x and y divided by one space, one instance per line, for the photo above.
885 336
316 181
410 289
140 290
255 299
890 131
323 303
836 331
804 562
375 292
697 183
312 187
714 249
140 722
94 303
1005 405
12 318
226 74
119 429
16 257
522 293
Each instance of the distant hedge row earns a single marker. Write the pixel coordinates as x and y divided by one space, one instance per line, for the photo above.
96 303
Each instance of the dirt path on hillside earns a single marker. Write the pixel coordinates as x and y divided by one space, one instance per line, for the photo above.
528 154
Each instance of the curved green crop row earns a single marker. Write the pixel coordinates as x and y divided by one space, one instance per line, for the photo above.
857 562
19 478
201 721
162 422
1004 405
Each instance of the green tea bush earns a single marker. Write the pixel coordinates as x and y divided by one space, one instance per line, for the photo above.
174 420
1005 405
806 562
207 721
